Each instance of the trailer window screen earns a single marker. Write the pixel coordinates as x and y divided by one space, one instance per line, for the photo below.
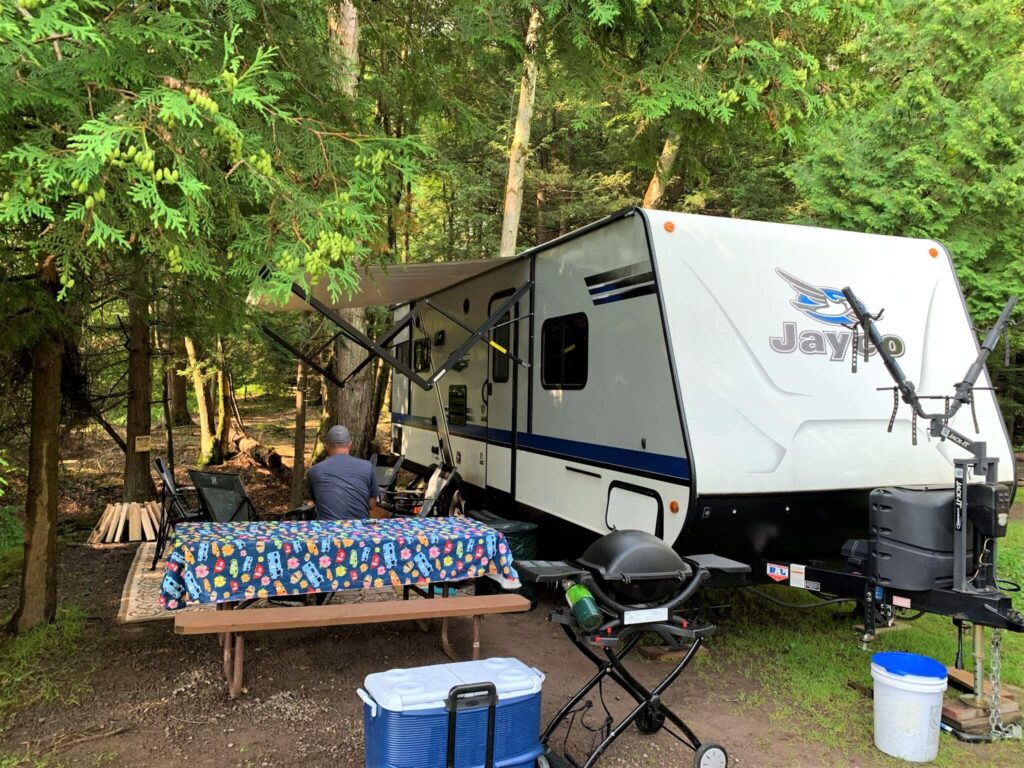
564 352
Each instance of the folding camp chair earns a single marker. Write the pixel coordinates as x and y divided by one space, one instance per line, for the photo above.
386 469
223 496
178 504
442 496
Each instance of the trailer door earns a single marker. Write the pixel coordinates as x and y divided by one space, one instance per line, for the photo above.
497 396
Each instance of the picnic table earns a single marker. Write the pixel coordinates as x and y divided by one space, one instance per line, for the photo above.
233 562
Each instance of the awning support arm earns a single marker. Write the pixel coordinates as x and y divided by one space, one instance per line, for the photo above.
395 329
299 355
361 338
480 331
471 330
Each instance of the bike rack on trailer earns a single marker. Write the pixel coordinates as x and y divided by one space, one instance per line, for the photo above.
977 600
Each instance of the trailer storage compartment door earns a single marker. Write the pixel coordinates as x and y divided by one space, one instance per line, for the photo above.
635 509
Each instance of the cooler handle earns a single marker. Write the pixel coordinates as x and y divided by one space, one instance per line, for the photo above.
368 701
470 697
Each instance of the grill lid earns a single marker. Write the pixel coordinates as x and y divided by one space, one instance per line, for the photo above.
636 565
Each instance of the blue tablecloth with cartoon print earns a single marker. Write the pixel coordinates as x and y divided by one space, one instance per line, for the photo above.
229 562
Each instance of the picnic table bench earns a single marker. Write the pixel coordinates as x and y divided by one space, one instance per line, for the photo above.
231 625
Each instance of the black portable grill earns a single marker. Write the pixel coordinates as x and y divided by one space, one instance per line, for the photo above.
640 585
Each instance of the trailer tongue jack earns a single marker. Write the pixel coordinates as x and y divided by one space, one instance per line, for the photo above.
934 549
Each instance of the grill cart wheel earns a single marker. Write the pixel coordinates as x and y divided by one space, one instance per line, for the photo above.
710 755
650 720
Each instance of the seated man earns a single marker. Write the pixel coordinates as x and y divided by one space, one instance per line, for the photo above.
342 486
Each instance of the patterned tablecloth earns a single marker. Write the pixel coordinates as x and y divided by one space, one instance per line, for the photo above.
228 562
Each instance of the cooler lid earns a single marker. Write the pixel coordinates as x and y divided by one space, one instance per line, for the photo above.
401 690
902 663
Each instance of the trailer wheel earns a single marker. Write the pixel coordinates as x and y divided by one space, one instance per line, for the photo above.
457 507
710 755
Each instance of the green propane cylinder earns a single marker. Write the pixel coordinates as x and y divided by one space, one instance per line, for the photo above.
583 606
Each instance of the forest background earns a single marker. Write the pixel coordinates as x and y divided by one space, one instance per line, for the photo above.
160 161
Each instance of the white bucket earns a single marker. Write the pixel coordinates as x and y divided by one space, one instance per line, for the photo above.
908 705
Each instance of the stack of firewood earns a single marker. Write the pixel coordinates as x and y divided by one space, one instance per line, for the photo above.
136 521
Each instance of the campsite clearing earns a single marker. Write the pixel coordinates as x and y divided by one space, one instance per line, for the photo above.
775 687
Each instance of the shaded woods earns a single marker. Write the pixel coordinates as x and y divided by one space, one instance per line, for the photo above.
207 158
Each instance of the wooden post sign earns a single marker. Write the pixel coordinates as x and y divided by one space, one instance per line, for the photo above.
143 443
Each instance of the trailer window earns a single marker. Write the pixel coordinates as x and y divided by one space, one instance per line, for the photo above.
403 351
564 352
421 355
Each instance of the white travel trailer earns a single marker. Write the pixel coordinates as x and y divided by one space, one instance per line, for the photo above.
709 380
686 375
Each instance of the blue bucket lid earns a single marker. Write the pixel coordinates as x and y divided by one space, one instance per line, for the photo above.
901 663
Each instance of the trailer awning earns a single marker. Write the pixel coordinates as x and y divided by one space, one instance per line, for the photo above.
393 284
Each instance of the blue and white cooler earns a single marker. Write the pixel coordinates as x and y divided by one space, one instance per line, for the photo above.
473 714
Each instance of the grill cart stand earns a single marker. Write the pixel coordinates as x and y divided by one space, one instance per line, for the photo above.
608 645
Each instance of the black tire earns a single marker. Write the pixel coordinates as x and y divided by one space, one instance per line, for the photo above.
650 720
711 755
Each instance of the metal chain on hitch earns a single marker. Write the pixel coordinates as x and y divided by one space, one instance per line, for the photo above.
995 702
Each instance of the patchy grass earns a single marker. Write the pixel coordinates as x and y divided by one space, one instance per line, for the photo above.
22 761
70 530
43 666
807 665
11 533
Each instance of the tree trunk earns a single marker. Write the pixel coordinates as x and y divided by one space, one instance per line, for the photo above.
38 601
222 435
176 386
520 140
380 392
663 170
299 464
207 445
352 406
168 414
319 449
137 479
343 28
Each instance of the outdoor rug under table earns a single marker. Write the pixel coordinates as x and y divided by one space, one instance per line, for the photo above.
231 562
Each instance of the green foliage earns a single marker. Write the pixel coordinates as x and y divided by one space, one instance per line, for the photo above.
935 145
11 550
177 142
44 665
803 662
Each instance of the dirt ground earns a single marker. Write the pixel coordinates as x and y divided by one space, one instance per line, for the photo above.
300 707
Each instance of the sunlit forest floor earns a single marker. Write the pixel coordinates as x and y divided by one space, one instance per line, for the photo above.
778 687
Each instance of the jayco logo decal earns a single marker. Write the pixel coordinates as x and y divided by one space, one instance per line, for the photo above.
828 307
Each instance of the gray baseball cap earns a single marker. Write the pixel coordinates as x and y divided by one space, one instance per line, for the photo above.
338 435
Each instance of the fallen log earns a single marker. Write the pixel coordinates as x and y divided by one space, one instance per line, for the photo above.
263 455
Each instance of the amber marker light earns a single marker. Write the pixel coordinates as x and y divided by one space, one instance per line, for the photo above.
933 252
670 226
673 506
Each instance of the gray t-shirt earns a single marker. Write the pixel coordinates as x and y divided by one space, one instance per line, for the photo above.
342 485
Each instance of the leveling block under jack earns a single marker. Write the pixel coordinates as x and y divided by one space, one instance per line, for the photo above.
977 700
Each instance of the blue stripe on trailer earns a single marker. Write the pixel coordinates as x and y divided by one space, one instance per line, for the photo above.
646 277
672 467
632 293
